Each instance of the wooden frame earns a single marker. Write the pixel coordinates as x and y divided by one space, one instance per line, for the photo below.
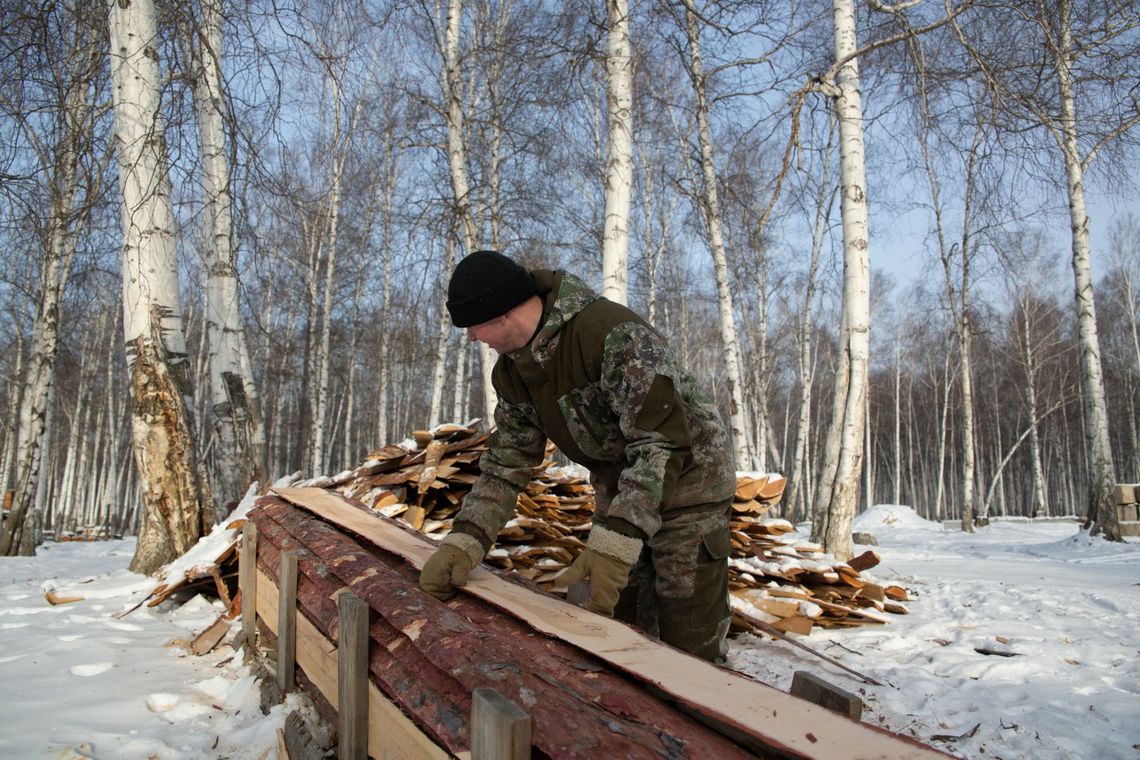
758 716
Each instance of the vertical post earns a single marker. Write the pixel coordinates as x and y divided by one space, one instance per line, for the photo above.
287 622
352 677
499 729
247 582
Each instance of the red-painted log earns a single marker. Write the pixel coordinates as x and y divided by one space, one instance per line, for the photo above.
580 706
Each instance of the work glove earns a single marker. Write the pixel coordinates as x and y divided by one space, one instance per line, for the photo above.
447 568
605 563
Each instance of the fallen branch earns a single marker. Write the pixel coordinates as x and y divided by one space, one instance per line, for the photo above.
55 599
771 630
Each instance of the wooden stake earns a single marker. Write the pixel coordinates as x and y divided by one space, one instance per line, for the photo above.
287 623
352 677
499 729
247 581
818 691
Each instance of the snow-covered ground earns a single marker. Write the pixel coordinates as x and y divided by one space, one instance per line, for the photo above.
1063 607
76 682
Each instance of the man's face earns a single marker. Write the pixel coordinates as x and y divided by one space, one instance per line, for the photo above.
500 333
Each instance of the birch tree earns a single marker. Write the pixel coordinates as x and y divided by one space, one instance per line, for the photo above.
239 445
326 248
1086 104
619 153
709 205
176 498
957 258
838 491
1125 291
799 484
451 83
62 136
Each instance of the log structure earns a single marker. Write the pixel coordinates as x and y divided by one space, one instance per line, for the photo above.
428 657
592 687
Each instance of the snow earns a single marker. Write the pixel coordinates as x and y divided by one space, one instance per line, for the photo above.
79 683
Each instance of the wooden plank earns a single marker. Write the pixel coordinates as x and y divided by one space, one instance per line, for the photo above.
500 730
778 607
287 623
795 624
247 582
755 709
820 692
209 638
352 677
391 734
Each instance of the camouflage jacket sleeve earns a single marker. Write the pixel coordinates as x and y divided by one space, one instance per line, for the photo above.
516 447
638 376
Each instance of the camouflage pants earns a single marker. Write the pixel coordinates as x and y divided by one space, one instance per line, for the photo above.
678 589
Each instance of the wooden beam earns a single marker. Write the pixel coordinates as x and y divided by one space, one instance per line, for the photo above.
247 582
500 730
819 692
209 638
287 623
775 721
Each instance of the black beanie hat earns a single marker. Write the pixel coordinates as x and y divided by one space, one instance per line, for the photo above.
485 285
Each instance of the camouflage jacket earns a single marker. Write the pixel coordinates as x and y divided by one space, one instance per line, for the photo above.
604 387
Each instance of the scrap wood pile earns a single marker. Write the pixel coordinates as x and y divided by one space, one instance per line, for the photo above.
776 581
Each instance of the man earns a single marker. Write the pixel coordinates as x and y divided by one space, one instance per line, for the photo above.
603 386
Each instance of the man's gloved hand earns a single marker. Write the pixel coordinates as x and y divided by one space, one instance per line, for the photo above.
447 569
606 564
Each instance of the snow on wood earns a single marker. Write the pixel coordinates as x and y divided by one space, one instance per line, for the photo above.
205 560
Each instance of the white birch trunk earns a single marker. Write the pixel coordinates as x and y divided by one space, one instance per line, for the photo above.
898 422
619 153
383 391
175 496
1040 505
805 355
330 245
943 428
34 411
846 431
452 85
958 296
440 374
236 452
15 395
656 234
1101 503
710 207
